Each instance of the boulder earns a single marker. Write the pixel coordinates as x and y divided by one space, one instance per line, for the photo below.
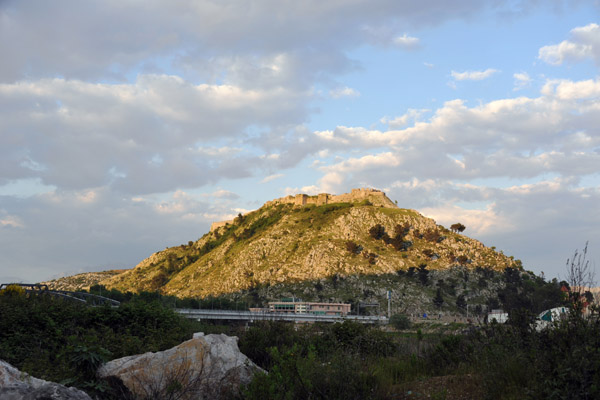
17 385
205 367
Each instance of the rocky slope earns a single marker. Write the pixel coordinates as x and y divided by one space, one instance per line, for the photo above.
304 238
81 281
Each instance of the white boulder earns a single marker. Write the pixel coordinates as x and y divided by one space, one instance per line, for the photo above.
205 367
17 385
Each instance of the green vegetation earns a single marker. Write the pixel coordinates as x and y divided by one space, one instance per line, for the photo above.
351 361
64 341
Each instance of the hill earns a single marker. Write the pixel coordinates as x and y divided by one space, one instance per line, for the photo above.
305 241
81 281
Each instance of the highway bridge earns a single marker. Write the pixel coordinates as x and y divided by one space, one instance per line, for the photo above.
87 298
230 315
275 316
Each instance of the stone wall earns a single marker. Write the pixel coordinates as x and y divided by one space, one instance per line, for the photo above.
216 225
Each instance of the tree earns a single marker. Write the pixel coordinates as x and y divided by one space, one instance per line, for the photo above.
438 300
457 227
461 302
377 231
401 229
580 277
239 219
423 274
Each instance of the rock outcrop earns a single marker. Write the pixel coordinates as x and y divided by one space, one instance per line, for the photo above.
17 385
81 281
205 367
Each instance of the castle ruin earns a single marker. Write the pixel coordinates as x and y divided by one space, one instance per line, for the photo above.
376 197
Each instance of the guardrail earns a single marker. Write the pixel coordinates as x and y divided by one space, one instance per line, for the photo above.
274 316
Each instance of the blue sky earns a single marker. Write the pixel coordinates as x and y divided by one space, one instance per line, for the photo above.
127 128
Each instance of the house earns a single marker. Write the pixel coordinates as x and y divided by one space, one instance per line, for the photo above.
545 318
499 315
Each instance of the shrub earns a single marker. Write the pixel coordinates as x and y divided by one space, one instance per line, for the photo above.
400 321
377 232
353 248
433 235
13 290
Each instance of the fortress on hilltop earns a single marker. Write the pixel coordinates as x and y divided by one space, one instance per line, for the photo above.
376 197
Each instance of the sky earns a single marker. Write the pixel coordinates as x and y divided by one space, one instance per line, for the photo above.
129 126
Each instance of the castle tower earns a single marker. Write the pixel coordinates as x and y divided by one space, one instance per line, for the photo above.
322 199
300 199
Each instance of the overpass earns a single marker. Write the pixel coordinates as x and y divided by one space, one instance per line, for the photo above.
230 315
80 297
248 316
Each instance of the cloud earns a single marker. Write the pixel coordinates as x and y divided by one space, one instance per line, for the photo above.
521 138
406 42
271 178
344 92
411 116
473 75
111 232
479 222
556 212
158 134
522 80
11 221
225 194
202 37
584 43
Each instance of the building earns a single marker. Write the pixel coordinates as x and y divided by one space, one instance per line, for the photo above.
499 315
297 306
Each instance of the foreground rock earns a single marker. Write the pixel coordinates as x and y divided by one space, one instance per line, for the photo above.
205 367
17 385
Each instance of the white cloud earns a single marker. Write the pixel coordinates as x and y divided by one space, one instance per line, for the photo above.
411 116
188 33
473 75
271 178
478 222
225 194
555 133
568 90
522 80
584 43
406 42
11 221
130 126
344 92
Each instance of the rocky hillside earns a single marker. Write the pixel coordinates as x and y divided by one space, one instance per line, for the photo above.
81 281
303 238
